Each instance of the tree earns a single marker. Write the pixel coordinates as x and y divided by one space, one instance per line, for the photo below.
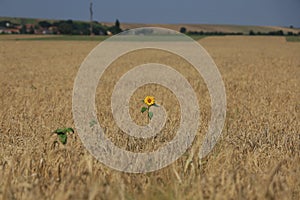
65 28
98 29
182 30
81 28
5 23
23 29
251 32
116 28
280 32
117 24
44 24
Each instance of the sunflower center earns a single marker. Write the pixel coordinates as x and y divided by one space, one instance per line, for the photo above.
149 100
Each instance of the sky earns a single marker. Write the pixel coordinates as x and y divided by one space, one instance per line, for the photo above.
237 12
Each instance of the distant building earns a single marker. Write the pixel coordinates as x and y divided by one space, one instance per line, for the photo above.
108 33
4 30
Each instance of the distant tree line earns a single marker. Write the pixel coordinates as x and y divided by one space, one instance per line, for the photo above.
278 33
251 32
70 27
184 30
4 23
213 33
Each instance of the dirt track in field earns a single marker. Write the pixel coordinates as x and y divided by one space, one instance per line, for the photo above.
257 157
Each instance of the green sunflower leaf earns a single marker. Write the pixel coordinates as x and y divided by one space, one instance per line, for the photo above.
63 138
144 109
150 115
69 130
59 131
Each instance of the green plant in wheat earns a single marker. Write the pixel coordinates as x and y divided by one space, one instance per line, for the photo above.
149 101
62 134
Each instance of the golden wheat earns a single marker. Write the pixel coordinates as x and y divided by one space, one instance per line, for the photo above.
257 157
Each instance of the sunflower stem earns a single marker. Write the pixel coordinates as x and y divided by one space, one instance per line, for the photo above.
148 115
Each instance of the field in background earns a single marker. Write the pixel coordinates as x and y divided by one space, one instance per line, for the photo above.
257 157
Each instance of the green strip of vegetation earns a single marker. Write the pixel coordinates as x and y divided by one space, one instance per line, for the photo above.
292 38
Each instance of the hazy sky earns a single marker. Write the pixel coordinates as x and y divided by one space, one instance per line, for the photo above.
244 12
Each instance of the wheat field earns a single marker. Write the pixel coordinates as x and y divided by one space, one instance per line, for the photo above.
257 156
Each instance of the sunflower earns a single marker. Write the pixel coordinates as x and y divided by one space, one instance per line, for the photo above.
149 100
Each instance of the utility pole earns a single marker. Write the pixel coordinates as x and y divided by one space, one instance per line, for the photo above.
91 17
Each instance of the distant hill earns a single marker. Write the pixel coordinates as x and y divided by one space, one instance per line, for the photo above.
176 27
212 27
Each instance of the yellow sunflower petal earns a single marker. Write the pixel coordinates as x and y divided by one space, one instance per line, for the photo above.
149 100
